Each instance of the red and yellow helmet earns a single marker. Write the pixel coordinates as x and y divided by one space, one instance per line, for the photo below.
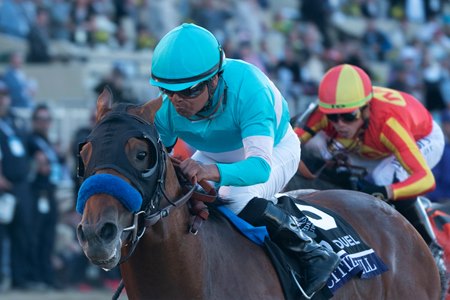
343 89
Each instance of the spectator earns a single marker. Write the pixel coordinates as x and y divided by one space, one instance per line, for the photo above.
15 16
415 10
445 83
48 163
248 53
81 17
60 20
103 32
249 27
398 79
375 42
159 16
433 76
318 12
373 8
72 264
39 38
15 167
212 14
80 136
117 82
411 58
441 171
144 39
5 186
289 77
21 87
123 40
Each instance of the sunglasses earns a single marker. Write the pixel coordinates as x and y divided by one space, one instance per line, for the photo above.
191 92
346 118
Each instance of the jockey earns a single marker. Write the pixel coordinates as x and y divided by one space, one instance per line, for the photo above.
238 122
388 132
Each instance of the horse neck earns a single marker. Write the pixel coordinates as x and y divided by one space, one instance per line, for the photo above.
171 263
168 262
165 254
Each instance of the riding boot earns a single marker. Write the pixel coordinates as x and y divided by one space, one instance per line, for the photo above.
318 261
414 211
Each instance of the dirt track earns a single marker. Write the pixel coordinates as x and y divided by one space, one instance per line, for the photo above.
60 295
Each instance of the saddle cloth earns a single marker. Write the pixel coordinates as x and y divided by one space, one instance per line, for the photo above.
326 228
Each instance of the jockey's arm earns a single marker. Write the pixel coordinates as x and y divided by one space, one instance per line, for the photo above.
404 148
315 123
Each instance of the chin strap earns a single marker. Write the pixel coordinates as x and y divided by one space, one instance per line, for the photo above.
201 115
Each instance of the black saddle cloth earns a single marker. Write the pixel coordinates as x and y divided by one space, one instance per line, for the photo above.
332 231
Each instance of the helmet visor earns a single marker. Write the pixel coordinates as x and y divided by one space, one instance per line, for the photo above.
191 92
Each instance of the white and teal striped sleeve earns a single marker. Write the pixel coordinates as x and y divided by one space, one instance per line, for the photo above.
257 120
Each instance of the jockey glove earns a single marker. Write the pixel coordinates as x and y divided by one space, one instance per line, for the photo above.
375 190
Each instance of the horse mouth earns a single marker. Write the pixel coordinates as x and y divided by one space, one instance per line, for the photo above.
108 263
105 264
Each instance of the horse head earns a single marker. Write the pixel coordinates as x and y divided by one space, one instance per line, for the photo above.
124 167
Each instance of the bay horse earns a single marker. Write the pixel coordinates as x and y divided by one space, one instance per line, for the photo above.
160 258
329 182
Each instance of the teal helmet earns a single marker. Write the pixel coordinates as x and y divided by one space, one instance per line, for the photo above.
185 56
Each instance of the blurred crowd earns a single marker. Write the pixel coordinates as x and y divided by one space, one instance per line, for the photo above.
403 44
38 247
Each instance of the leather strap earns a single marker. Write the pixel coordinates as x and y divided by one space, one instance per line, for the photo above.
304 171
198 199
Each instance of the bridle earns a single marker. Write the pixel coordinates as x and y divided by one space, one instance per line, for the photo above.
112 133
150 184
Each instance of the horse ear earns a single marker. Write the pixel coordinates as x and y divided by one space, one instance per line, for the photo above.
104 103
148 110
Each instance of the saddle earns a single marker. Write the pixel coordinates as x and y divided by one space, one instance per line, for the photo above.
357 259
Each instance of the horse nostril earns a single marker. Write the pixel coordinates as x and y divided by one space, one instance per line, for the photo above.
80 233
108 232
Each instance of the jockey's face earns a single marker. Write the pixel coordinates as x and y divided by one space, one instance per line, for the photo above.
189 106
347 127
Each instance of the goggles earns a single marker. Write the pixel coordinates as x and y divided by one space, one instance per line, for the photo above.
346 118
191 92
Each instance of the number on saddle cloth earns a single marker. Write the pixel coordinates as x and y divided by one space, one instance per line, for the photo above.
330 230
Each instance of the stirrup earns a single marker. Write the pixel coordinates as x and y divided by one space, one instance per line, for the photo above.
294 276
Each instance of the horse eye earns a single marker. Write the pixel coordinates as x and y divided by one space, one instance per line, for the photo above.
141 155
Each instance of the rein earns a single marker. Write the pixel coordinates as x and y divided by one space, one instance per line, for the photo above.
113 132
142 219
197 200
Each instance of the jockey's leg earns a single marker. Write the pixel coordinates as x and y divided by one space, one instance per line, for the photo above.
319 262
414 211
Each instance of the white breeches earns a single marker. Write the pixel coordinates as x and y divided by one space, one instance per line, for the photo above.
285 160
